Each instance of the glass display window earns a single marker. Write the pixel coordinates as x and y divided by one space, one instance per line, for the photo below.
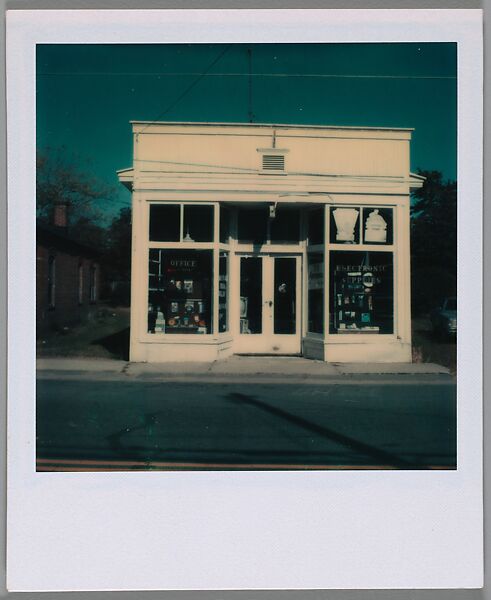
377 225
180 291
223 292
361 292
344 225
315 266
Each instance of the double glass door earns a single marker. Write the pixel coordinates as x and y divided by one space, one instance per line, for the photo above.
269 307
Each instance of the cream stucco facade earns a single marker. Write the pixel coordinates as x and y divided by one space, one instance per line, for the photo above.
270 239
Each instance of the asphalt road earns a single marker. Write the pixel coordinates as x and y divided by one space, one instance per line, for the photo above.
99 425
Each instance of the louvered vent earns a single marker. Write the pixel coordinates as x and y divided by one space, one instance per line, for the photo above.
273 162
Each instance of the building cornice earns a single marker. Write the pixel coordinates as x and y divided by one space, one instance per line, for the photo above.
225 182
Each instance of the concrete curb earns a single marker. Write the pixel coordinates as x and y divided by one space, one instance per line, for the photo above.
393 369
81 364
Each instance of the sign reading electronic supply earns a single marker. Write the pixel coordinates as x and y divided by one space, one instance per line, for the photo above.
361 277
363 268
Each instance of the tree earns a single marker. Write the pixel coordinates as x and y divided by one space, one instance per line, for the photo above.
119 245
61 178
433 241
118 257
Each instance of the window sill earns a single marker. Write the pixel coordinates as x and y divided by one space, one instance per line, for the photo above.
361 338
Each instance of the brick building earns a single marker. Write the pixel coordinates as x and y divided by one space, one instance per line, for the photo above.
67 277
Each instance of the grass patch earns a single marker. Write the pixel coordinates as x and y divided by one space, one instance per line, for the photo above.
107 335
428 348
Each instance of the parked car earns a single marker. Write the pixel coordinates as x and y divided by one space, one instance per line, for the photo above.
444 318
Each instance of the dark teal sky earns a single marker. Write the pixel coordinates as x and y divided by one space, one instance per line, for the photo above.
87 94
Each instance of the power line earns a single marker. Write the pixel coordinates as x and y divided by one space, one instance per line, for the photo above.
249 74
249 171
249 60
189 87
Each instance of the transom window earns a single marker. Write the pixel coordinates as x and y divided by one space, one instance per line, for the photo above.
181 223
361 225
255 225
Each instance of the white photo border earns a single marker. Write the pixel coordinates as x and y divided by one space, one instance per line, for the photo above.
241 530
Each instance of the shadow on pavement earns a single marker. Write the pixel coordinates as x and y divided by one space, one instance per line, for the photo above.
117 344
380 456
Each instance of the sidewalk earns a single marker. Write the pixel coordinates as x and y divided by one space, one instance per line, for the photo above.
264 368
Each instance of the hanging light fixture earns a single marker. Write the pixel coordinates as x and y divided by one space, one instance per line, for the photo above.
187 237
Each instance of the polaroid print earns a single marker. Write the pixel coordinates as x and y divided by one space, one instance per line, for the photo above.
311 188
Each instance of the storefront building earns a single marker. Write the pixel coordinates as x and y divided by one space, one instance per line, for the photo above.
270 239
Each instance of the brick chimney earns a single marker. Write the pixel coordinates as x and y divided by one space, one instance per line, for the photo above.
60 215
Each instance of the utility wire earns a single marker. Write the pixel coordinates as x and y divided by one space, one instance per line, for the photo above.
249 60
283 75
247 171
189 88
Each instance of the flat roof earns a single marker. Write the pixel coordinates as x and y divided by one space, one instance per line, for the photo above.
275 125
